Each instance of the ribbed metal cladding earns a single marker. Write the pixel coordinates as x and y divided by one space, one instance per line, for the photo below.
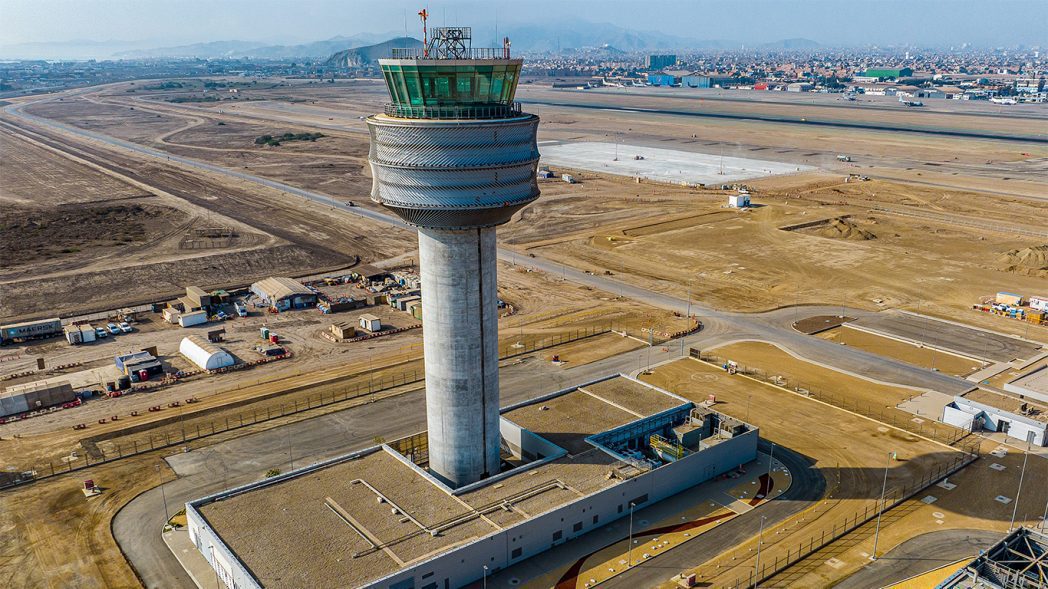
454 174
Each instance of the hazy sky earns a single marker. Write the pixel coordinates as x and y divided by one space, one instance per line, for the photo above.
851 22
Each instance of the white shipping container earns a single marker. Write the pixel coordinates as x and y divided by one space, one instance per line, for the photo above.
191 319
1039 303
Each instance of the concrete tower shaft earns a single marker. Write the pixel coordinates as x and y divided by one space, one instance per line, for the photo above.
454 156
460 336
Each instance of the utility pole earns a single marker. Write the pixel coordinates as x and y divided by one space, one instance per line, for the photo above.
884 487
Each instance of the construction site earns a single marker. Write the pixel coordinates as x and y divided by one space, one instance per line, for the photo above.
669 343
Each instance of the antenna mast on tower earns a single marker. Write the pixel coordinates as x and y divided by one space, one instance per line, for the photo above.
425 33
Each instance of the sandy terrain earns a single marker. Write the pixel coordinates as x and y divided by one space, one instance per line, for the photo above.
955 223
863 396
893 348
850 452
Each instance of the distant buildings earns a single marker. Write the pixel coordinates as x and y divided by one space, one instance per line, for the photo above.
662 79
887 74
658 62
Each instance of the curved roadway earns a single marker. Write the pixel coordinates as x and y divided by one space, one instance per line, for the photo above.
136 526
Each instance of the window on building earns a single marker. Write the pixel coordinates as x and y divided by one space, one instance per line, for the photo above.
577 527
558 535
516 552
639 500
595 518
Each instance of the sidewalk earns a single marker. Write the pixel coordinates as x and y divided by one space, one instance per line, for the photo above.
195 564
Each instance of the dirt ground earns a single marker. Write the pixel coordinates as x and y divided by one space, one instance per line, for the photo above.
537 320
936 228
52 536
868 397
909 353
745 261
849 451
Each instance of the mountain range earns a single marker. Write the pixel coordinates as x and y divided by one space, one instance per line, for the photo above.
546 38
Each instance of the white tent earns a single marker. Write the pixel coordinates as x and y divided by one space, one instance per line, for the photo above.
204 354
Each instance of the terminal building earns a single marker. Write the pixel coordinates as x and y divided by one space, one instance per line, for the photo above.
573 461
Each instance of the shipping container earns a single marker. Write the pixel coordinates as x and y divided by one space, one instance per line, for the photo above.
171 315
30 330
1009 298
194 318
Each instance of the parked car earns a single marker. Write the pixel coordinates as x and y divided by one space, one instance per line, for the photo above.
101 333
113 329
124 327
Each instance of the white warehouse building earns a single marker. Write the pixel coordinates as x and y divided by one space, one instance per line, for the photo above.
205 354
1023 419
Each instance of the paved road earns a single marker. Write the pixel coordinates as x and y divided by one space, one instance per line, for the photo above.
920 554
244 459
971 342
807 486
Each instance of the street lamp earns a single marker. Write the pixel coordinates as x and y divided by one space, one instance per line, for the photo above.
884 487
290 456
757 563
485 577
163 493
1018 492
629 545
771 457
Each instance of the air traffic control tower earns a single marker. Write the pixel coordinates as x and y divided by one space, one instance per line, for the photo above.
454 156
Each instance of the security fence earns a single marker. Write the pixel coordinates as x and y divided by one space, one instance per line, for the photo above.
185 428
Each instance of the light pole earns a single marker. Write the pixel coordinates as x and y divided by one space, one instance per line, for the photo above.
771 458
629 545
485 577
880 510
687 321
757 563
1018 492
290 456
163 493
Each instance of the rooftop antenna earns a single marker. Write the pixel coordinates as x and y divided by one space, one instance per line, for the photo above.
423 14
496 20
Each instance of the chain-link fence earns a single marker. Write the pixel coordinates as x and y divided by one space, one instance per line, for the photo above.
929 428
802 549
182 429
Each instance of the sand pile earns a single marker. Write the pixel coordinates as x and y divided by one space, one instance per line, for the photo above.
1032 261
843 229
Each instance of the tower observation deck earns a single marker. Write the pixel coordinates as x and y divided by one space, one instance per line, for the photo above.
454 155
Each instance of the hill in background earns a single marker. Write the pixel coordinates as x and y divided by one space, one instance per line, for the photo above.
359 56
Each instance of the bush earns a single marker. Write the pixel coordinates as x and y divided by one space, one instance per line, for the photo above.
272 473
